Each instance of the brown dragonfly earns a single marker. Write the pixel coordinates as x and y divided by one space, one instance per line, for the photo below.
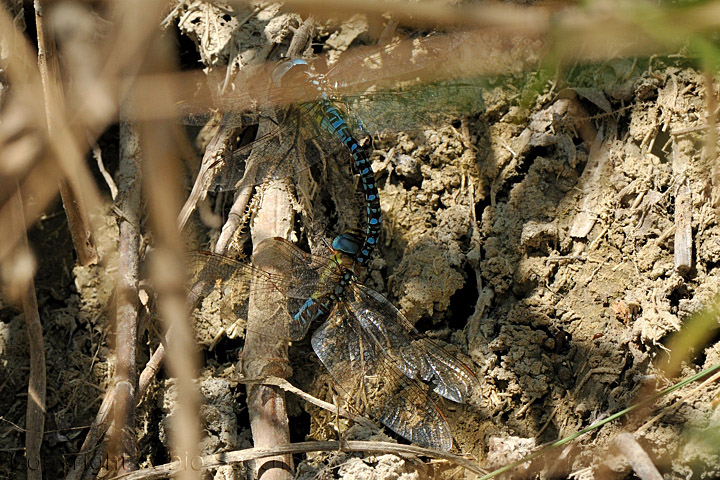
371 350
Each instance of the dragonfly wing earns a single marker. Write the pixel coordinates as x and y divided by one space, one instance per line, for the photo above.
283 151
277 257
302 270
362 370
417 107
207 269
272 155
310 276
414 354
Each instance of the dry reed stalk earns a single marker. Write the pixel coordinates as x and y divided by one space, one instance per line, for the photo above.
134 23
22 138
266 354
39 161
37 167
162 185
123 446
239 456
35 410
70 192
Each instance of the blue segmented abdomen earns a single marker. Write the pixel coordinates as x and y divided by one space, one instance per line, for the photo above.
331 290
313 309
334 122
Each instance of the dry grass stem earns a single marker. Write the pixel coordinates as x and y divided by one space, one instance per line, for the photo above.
161 178
72 196
638 458
288 387
35 410
229 458
123 444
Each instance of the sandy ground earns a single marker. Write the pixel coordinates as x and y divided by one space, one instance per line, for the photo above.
536 242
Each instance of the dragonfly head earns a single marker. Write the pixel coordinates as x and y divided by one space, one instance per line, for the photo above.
348 242
291 68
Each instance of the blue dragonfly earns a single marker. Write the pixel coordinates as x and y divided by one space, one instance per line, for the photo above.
325 117
311 129
382 364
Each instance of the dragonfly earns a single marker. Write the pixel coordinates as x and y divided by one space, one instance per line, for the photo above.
331 119
381 363
313 128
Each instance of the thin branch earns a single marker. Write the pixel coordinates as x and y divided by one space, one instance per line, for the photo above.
289 387
162 185
46 160
239 456
124 448
99 426
72 196
638 458
97 154
151 368
88 458
35 412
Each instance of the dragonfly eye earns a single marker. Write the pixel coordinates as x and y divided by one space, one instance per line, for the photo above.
296 66
347 243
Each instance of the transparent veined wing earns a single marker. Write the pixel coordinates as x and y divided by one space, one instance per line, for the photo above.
276 264
415 354
372 382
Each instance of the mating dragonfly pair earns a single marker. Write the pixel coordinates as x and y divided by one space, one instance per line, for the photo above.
370 349
366 344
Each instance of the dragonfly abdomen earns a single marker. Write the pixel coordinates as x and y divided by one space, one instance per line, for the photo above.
314 309
331 119
334 122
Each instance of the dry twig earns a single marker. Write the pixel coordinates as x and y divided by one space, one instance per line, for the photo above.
72 196
637 457
35 412
229 458
288 387
123 447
